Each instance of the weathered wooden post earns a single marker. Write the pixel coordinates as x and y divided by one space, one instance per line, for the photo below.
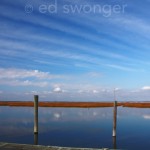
35 114
114 119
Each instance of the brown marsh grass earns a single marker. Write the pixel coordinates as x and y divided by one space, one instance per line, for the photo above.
75 104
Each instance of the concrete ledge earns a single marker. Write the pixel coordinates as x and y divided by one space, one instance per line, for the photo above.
14 146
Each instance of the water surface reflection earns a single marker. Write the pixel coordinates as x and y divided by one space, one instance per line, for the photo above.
77 127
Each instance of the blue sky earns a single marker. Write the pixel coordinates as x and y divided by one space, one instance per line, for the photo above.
74 50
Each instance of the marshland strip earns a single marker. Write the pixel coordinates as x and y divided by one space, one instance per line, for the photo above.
75 104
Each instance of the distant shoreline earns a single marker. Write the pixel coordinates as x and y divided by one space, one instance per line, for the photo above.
75 104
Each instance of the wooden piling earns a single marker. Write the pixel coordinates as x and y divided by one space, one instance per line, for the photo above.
35 114
114 119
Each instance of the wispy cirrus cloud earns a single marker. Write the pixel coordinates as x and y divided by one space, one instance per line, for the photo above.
55 25
62 27
124 68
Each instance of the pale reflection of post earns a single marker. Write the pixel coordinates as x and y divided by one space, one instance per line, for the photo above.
35 114
114 119
35 139
114 143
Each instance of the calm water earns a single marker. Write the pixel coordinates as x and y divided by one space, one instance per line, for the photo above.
77 127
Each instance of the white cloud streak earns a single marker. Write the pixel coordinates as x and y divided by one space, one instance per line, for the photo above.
24 77
146 88
11 73
24 83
